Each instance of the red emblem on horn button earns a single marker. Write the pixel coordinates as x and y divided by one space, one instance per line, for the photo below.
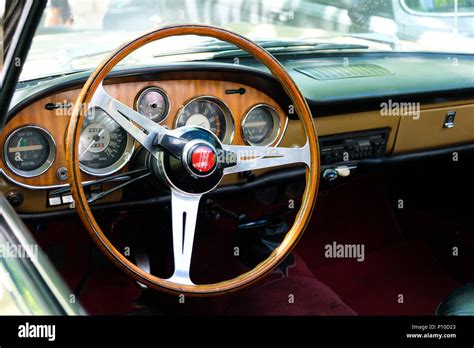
203 159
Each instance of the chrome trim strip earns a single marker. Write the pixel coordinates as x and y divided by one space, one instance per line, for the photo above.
32 187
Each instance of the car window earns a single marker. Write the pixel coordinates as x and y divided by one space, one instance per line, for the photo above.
77 34
382 8
439 6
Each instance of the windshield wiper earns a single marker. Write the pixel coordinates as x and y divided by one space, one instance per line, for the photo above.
294 48
282 44
223 50
392 41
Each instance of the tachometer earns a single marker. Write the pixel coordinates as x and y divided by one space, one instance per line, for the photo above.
209 113
29 151
104 146
261 125
153 103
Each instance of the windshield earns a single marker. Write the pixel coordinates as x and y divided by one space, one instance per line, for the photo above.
77 34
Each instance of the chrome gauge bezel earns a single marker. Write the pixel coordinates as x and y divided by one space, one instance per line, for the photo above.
119 164
44 167
229 119
272 139
165 96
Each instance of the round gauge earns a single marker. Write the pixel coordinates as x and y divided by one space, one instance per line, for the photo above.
209 113
153 103
261 125
29 151
104 146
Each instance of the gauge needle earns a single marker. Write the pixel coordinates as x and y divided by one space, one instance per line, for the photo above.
94 139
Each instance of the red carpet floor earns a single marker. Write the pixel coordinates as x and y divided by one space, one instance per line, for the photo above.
354 214
405 272
107 290
297 292
393 265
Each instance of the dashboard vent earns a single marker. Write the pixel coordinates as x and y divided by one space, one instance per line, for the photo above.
333 72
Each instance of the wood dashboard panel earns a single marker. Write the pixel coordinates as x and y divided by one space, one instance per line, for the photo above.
180 93
54 123
406 134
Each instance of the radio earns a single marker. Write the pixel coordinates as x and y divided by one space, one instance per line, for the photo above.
355 146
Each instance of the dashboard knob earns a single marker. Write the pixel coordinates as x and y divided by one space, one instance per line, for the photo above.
330 174
15 198
61 174
343 171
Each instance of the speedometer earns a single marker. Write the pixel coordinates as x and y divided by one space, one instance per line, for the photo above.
104 146
209 113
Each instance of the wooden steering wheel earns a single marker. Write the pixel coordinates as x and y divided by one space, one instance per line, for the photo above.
175 153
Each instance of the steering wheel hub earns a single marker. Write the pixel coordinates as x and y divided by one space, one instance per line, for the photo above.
198 170
201 159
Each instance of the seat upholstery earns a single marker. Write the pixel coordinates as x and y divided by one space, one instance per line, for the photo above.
459 302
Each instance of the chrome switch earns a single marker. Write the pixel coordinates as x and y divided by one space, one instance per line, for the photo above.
449 119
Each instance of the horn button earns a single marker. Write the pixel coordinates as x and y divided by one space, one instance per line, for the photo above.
201 159
198 171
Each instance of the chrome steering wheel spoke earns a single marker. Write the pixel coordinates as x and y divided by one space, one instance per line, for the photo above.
184 211
142 129
149 134
260 157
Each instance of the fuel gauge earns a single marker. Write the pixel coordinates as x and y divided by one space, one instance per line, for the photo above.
29 151
261 125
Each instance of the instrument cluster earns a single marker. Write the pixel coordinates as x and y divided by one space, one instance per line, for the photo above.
261 124
105 147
